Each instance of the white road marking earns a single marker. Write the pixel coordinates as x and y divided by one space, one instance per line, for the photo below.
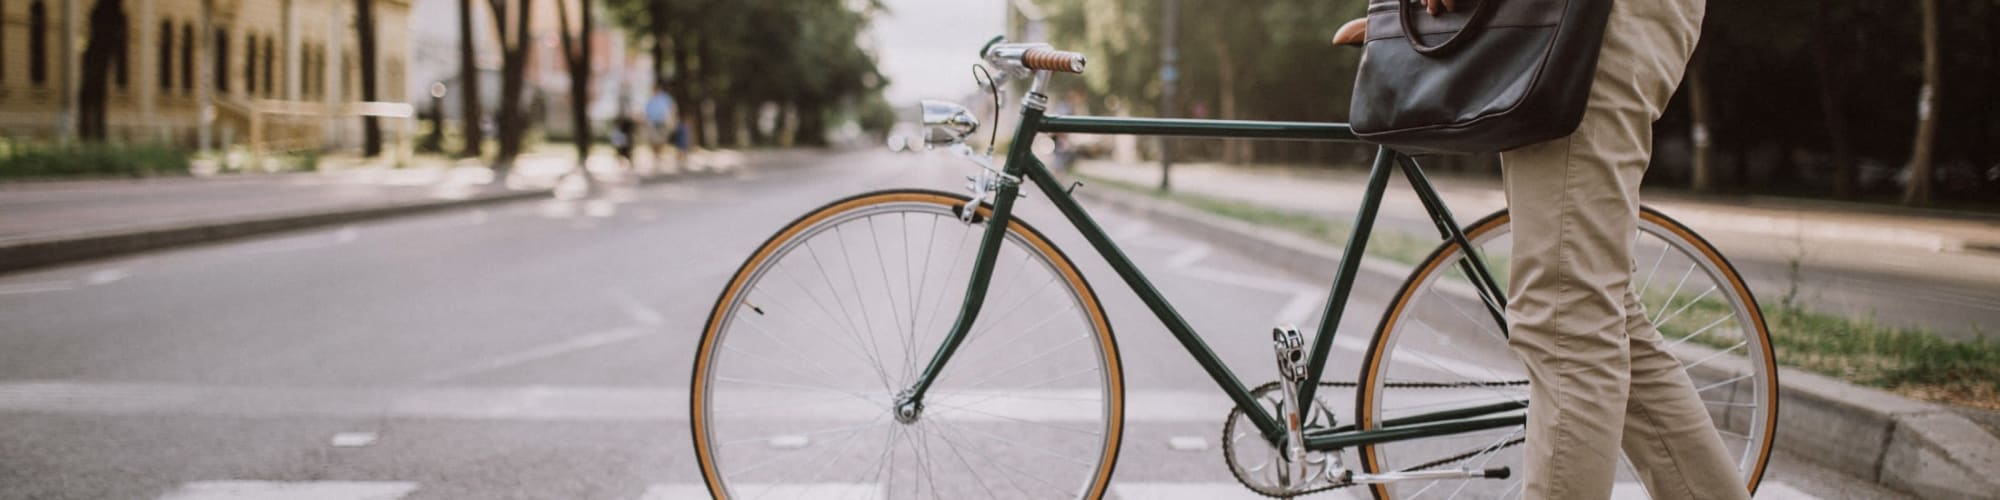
104 276
570 403
303 490
537 353
1300 308
1194 252
1201 491
808 490
1187 443
352 439
638 311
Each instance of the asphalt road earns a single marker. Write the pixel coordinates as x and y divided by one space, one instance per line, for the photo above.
535 350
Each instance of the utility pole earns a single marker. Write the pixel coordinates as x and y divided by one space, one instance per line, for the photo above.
1170 55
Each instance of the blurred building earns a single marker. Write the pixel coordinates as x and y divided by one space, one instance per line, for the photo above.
270 74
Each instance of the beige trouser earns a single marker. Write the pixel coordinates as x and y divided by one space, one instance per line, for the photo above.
1600 379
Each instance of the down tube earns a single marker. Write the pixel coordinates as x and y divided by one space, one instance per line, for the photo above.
1350 264
1151 296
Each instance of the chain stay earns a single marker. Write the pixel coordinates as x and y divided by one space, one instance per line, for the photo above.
1229 456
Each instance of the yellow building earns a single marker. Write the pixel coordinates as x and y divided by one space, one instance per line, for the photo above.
275 74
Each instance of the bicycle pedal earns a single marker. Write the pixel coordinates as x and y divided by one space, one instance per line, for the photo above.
1290 347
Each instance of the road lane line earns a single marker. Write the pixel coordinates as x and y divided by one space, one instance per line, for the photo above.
568 403
1202 491
299 490
857 491
537 353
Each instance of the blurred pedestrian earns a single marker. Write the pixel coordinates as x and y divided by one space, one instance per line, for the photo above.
663 126
622 130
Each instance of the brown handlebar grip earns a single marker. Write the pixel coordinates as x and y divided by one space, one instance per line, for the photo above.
1053 60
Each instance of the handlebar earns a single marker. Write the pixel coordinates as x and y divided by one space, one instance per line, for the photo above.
1019 59
1053 60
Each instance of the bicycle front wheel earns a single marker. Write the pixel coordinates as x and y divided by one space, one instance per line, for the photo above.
810 343
1438 348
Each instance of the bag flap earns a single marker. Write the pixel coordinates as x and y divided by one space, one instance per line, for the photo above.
1384 17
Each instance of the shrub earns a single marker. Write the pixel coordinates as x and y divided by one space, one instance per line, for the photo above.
19 161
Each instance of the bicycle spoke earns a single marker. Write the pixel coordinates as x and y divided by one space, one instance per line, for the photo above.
1706 359
1684 307
1036 477
1014 419
1698 332
1675 293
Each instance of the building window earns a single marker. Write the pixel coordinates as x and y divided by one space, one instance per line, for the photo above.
187 57
165 61
270 64
38 43
221 59
250 65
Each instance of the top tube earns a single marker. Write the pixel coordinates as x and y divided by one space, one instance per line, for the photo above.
1304 131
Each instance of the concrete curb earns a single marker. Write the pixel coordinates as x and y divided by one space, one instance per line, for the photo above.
30 254
1912 446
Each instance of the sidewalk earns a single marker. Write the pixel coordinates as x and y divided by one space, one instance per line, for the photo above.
53 222
1901 266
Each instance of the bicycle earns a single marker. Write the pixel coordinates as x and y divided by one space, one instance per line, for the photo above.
817 372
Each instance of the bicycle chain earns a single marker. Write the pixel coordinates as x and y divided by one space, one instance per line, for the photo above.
1229 425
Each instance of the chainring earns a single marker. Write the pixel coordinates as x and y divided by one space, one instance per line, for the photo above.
1264 478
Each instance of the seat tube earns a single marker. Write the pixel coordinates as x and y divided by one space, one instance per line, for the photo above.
989 251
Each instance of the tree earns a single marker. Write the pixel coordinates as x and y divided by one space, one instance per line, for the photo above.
510 125
468 82
106 45
1918 191
576 58
364 27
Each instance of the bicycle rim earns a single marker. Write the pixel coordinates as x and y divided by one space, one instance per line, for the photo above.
809 344
1437 330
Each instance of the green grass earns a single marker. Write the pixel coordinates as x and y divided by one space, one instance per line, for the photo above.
20 160
1915 362
1390 245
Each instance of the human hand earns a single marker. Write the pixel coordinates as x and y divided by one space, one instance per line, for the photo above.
1432 6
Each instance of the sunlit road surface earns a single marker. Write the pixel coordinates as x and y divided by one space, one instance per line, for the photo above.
542 350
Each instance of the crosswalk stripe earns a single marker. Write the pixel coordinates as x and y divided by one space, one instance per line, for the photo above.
1120 490
854 491
291 490
1203 491
584 403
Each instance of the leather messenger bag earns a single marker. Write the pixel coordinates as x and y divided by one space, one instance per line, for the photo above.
1489 77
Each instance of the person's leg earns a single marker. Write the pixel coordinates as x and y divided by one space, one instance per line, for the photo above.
1668 431
1573 225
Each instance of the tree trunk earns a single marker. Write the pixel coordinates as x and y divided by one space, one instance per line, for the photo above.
1918 192
1846 181
509 123
468 83
812 126
683 89
364 27
107 38
1232 149
728 121
701 101
779 134
1703 178
576 57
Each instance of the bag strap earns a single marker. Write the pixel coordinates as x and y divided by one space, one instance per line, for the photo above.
1479 15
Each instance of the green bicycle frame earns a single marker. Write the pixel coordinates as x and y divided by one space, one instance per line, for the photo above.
1022 165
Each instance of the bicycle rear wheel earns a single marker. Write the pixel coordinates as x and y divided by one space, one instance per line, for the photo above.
814 337
1438 330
